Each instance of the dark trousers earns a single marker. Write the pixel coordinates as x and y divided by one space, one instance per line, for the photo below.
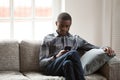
67 65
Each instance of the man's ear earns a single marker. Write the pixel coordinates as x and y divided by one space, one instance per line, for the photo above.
56 23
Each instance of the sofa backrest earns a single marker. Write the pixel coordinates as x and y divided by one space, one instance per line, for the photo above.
9 55
29 56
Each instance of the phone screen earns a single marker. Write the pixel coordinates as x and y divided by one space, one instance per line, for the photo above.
67 48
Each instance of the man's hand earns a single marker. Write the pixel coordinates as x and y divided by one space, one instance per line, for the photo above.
109 51
61 53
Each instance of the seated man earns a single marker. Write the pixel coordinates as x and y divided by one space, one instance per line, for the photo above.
59 54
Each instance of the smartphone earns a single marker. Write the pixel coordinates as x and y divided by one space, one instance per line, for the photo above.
67 48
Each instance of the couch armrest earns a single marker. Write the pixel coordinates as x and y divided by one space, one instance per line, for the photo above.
111 70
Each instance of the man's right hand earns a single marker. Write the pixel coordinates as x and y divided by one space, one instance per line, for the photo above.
61 53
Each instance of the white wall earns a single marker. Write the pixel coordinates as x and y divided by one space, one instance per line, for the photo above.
97 21
107 23
111 24
116 26
87 19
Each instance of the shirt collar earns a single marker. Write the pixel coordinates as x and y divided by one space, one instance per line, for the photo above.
56 34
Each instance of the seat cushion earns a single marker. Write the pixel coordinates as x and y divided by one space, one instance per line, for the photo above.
95 77
29 55
9 55
12 75
39 76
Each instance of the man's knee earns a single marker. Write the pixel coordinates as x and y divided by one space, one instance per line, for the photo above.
67 63
74 53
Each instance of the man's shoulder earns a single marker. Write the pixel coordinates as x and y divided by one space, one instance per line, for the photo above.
49 37
77 37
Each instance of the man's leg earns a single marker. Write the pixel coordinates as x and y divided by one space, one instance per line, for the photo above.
68 70
61 67
72 59
78 70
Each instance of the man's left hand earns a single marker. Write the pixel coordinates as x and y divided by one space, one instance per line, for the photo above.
109 51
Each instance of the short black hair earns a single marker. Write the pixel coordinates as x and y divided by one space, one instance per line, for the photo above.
64 16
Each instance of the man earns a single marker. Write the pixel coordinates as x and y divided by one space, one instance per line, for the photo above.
60 51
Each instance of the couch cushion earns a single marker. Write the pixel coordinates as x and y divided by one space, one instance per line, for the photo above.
12 75
94 60
9 55
29 55
39 76
95 77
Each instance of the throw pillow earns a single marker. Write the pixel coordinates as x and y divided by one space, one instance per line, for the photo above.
94 59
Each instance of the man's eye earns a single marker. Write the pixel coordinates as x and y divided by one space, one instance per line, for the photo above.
62 26
67 26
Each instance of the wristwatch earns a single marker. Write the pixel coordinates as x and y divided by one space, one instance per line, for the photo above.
54 56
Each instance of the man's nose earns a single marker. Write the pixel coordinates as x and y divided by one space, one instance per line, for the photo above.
64 28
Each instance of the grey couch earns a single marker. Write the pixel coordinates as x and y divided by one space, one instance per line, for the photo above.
19 61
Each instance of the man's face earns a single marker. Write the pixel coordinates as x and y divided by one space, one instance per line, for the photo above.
63 26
